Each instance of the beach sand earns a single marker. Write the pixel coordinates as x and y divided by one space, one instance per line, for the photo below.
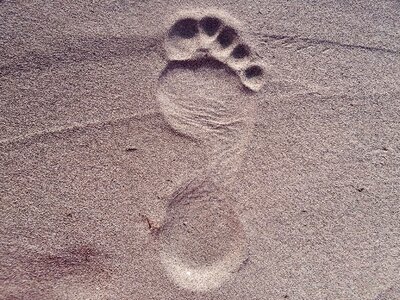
191 150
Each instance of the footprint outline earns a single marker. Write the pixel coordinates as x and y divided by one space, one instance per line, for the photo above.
203 40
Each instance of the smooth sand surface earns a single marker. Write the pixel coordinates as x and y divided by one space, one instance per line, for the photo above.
192 150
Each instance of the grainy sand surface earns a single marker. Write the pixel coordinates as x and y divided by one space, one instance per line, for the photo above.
191 150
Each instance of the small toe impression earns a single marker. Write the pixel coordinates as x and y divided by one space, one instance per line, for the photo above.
227 36
185 28
210 25
240 51
253 77
253 72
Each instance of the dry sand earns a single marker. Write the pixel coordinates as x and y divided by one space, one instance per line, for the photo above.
191 150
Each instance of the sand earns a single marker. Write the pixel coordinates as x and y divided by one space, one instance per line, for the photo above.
191 150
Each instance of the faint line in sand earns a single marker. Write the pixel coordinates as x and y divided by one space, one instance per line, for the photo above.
76 126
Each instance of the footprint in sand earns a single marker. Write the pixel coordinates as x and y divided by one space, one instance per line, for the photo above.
205 94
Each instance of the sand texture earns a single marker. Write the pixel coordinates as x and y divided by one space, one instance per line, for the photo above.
199 150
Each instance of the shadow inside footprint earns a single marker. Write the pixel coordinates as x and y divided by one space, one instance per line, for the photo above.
227 36
240 51
185 28
253 71
210 25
